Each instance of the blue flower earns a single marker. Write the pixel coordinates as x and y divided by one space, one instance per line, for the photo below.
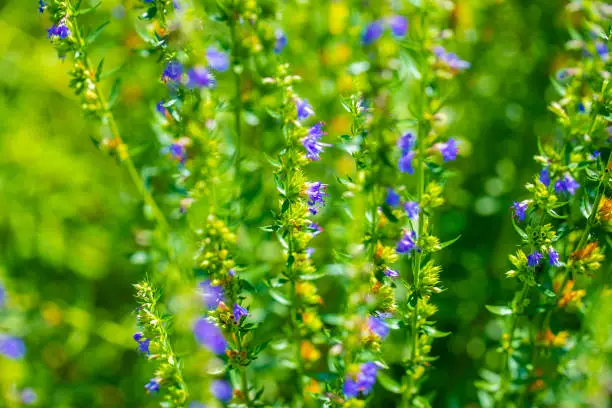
519 209
209 336
412 209
391 273
60 30
281 41
211 294
200 77
315 228
312 143
177 151
315 192
28 396
350 388
553 257
222 390
449 150
217 60
372 32
534 259
405 163
172 72
566 184
367 377
239 312
407 243
399 25
143 345
153 386
160 108
602 49
392 199
451 60
406 142
304 110
12 347
545 176
42 5
378 326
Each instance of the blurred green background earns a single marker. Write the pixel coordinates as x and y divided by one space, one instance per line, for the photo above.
70 219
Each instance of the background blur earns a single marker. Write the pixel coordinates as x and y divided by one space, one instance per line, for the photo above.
69 215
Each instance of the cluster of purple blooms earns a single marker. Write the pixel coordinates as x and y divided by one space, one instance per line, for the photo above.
450 59
567 184
222 390
312 142
536 257
315 192
153 386
60 31
407 243
363 383
412 208
143 343
378 325
373 31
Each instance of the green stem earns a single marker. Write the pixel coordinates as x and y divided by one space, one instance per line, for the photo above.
243 376
237 95
299 401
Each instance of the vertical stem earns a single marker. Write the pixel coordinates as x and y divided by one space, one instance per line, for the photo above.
237 95
243 377
299 400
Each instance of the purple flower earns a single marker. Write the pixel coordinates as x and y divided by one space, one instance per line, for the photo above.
553 257
566 184
412 209
12 347
60 30
350 388
366 378
378 326
399 25
407 243
392 273
405 163
315 228
406 142
534 259
519 209
209 336
315 192
392 199
281 41
177 151
372 32
200 77
239 312
173 72
153 386
449 149
211 294
602 49
304 110
28 396
312 142
160 108
545 176
222 390
217 60
451 60
143 344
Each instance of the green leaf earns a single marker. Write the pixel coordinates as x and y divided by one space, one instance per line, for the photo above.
520 231
272 161
448 243
114 93
499 310
88 10
545 291
280 298
435 333
96 33
149 14
389 213
389 383
99 70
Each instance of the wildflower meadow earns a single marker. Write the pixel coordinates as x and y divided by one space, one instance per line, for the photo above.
305 203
